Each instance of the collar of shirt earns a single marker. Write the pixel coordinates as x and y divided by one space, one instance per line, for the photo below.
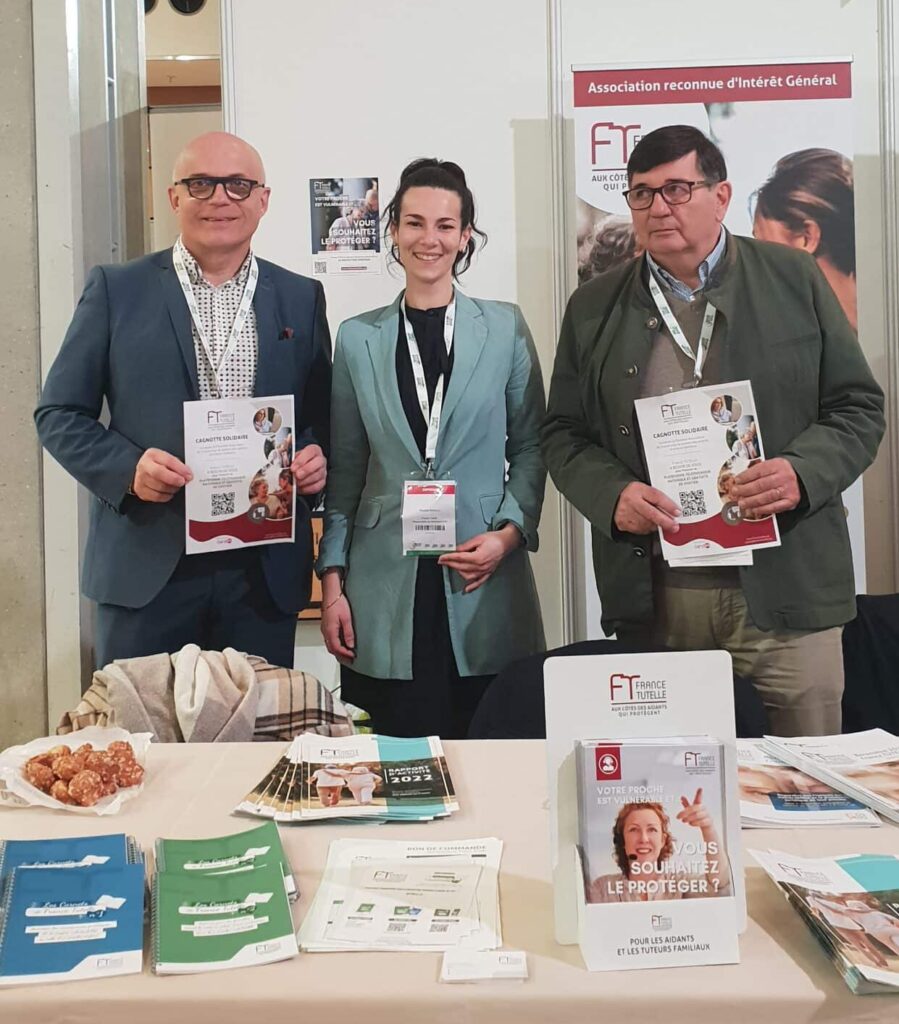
195 271
681 290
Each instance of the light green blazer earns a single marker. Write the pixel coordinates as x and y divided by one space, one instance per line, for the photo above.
491 416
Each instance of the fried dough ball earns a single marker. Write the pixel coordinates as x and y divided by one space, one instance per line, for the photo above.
60 791
128 773
39 775
102 763
59 751
66 767
82 751
46 759
86 788
119 749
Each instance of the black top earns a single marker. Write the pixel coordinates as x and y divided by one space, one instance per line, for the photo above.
427 325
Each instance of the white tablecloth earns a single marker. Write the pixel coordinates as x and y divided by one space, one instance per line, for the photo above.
190 791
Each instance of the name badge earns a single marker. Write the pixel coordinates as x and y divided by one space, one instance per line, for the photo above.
429 517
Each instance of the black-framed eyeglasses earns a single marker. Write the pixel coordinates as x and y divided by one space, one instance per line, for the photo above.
203 186
673 192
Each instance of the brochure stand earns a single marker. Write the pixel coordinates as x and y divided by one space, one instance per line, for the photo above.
632 696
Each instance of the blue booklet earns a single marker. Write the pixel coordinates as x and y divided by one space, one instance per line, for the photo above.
60 924
74 852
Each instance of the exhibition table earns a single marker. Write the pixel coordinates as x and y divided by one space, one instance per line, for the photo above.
190 791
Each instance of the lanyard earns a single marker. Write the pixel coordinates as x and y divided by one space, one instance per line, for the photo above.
240 317
705 335
431 413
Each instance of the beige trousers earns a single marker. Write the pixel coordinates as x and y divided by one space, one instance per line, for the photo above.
798 674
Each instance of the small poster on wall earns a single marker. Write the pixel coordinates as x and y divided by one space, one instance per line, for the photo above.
344 216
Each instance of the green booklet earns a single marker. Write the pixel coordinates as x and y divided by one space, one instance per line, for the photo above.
215 922
242 851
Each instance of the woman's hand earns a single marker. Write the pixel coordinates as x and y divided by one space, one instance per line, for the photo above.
695 813
716 866
476 560
337 618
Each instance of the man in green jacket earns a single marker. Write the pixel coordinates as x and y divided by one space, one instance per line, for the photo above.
777 324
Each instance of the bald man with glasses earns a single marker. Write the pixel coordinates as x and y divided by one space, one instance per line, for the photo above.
646 328
136 345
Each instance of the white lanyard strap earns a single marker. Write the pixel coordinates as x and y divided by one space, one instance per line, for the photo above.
705 335
240 317
431 413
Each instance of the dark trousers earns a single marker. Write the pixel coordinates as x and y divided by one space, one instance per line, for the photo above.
214 600
436 701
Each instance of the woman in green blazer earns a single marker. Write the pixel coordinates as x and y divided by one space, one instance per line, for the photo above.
434 387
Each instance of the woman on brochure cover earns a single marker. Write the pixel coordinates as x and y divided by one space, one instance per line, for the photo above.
650 869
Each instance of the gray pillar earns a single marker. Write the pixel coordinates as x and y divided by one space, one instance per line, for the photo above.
22 627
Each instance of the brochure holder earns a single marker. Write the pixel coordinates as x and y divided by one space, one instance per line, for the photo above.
635 696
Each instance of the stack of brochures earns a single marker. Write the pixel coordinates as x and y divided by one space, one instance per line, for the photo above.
70 908
349 778
851 905
406 896
222 902
863 765
774 794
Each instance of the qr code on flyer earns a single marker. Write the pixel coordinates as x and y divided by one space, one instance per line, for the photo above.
223 503
319 266
692 503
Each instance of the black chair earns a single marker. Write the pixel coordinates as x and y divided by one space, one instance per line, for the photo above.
871 661
512 708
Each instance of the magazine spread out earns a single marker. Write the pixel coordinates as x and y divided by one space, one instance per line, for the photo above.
851 905
369 777
863 765
82 920
657 880
409 896
774 794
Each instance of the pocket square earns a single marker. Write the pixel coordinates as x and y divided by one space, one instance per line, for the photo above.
286 334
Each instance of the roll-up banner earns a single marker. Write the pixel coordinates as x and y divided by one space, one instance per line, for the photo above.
785 129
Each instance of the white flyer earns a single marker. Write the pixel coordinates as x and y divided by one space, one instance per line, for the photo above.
242 492
415 904
696 442
339 906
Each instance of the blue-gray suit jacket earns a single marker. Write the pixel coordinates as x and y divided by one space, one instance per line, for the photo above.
488 444
130 343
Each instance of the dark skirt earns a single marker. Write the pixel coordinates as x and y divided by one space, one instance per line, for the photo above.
436 701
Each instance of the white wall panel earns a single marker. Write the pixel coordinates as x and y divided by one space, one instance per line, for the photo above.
365 92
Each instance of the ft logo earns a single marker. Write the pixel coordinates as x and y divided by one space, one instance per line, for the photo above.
621 136
621 687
